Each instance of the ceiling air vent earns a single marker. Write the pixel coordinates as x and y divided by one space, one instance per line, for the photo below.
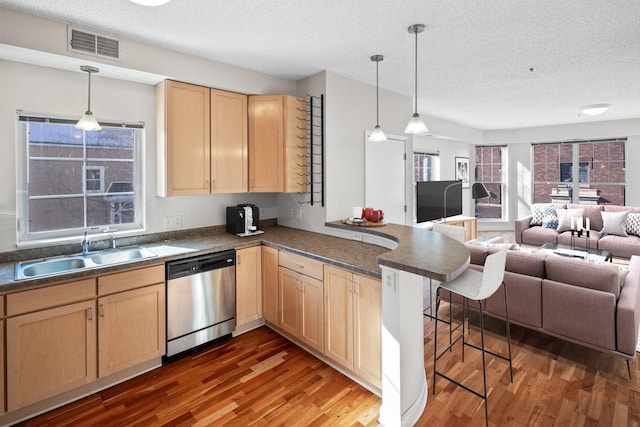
90 43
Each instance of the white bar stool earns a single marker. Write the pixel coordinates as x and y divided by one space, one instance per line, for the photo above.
476 286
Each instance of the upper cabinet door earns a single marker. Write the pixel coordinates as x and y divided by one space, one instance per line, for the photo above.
295 145
266 147
229 145
278 155
184 132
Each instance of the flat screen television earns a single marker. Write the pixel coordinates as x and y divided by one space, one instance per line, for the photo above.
430 199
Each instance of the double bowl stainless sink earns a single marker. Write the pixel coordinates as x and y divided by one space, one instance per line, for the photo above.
70 263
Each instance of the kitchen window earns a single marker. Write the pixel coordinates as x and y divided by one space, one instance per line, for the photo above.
71 181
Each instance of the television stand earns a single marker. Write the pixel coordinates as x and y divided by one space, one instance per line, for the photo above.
470 224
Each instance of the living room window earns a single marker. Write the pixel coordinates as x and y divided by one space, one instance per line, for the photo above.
587 172
491 168
70 180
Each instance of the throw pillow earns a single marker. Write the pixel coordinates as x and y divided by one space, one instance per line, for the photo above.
614 223
564 218
536 213
549 217
633 224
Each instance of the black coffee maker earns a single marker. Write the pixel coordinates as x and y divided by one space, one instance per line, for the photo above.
243 220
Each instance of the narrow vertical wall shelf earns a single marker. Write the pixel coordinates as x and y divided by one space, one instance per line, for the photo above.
315 151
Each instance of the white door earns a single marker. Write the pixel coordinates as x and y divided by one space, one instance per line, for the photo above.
385 177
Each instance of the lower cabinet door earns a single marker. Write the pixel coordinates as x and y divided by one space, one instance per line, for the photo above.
367 322
311 312
49 352
301 307
131 328
248 285
270 291
289 301
338 313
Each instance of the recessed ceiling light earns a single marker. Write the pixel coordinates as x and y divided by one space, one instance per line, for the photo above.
150 2
594 109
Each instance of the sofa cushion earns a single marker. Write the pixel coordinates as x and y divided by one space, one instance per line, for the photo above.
524 296
565 216
539 235
592 212
619 208
523 262
620 246
580 314
614 223
601 277
565 239
633 224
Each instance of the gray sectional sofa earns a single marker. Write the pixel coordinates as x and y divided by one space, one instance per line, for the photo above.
592 304
619 244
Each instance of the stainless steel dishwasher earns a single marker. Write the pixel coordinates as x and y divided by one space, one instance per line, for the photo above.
201 300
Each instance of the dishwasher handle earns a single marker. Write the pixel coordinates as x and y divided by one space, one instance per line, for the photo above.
200 264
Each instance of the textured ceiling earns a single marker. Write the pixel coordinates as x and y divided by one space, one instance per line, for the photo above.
474 57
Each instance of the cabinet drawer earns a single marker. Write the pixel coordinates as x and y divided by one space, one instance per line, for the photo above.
119 282
53 296
301 264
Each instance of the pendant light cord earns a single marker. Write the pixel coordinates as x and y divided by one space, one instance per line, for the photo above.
415 99
89 97
377 103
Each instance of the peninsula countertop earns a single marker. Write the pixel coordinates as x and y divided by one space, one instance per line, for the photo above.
419 251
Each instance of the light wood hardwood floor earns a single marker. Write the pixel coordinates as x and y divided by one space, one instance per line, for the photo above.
261 379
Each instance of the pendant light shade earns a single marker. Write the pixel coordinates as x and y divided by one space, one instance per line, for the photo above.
416 125
87 121
378 134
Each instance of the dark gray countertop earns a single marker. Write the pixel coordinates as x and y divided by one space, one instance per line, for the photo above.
350 254
419 251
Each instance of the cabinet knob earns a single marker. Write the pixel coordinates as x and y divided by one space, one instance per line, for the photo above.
101 310
90 313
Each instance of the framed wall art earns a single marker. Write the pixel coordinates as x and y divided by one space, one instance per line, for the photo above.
462 170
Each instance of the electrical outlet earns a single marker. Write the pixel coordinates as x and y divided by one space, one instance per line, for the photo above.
357 236
299 213
290 213
389 279
263 212
173 221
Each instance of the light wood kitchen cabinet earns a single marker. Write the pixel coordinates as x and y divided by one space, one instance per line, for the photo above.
53 349
353 307
248 286
270 291
203 138
277 143
2 383
131 321
301 300
229 142
184 135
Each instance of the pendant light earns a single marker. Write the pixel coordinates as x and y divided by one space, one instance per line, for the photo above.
88 122
378 134
416 125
